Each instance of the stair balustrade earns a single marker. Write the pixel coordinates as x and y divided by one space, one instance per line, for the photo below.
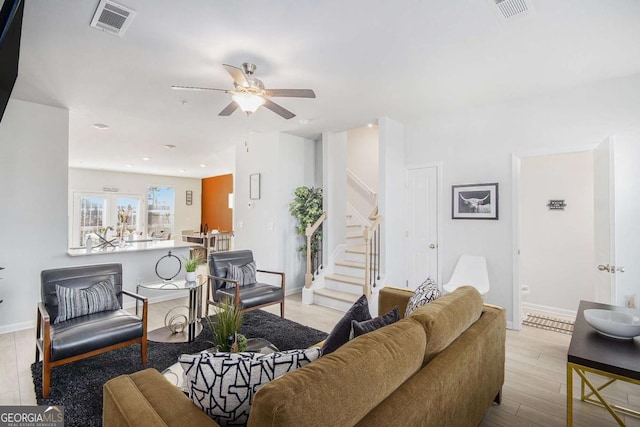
372 245
315 259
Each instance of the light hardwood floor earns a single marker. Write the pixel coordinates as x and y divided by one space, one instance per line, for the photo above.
534 393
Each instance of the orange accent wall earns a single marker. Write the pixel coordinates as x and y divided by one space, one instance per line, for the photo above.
215 202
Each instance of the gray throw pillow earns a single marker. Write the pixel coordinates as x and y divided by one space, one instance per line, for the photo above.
340 334
244 274
223 384
426 292
361 328
80 302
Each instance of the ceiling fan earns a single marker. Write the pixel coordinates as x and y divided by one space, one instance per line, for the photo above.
249 92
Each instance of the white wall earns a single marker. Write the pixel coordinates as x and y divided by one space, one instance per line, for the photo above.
392 200
475 146
284 163
362 154
187 217
33 215
557 246
627 204
334 185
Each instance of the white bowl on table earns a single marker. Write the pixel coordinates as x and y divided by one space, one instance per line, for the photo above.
621 324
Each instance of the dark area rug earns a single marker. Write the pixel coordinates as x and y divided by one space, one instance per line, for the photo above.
78 385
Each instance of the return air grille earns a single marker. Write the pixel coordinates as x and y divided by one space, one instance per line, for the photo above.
508 10
112 18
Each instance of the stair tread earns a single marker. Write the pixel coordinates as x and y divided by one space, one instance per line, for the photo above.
346 279
354 225
353 264
342 296
354 236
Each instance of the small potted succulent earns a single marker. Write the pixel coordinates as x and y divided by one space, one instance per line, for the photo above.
190 266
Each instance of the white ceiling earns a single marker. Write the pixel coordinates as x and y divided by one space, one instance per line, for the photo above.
364 58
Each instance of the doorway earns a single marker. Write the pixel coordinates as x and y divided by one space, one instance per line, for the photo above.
553 232
422 224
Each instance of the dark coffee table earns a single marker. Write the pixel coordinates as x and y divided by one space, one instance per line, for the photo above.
592 352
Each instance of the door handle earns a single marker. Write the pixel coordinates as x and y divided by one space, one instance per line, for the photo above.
432 246
611 268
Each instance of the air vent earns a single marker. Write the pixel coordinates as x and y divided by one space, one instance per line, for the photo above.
112 18
510 10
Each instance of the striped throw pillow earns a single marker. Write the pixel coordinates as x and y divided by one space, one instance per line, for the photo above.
245 274
80 302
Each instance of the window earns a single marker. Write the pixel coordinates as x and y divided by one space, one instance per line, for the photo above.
160 211
98 213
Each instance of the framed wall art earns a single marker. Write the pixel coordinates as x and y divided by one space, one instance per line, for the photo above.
189 197
474 201
254 186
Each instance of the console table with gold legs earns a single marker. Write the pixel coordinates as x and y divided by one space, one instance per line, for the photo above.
590 352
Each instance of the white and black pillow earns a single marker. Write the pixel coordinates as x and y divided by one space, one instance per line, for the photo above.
223 384
426 292
80 302
244 274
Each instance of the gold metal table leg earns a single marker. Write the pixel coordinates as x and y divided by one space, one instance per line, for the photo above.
569 395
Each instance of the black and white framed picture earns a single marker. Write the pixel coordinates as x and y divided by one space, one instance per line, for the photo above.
474 201
189 197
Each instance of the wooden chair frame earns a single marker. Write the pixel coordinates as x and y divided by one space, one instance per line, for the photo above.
236 299
43 342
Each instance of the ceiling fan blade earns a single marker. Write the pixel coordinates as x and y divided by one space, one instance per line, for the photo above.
198 88
229 109
278 109
237 74
292 93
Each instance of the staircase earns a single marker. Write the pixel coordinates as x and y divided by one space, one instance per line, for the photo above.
345 277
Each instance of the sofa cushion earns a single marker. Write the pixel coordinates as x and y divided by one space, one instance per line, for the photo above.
361 328
342 387
425 293
244 274
223 384
74 302
340 333
447 317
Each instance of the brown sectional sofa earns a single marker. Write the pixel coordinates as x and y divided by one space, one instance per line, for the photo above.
442 366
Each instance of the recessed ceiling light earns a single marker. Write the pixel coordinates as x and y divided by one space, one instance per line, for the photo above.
202 165
303 121
170 147
146 158
183 170
369 125
101 126
129 165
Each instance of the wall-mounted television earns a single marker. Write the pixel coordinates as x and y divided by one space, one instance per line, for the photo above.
11 29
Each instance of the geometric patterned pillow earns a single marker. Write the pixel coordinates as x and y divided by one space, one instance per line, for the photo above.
223 384
426 292
80 302
245 274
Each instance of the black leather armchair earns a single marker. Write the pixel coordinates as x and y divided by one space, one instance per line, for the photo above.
88 335
249 297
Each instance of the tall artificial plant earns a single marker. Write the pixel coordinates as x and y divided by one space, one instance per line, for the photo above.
307 208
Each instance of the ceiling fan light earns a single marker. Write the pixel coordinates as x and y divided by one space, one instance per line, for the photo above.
248 102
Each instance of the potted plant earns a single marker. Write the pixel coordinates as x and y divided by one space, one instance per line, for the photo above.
307 208
225 327
190 266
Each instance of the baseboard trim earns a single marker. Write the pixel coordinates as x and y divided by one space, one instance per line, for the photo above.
550 310
15 327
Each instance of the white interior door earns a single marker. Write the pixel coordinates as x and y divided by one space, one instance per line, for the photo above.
604 220
422 225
